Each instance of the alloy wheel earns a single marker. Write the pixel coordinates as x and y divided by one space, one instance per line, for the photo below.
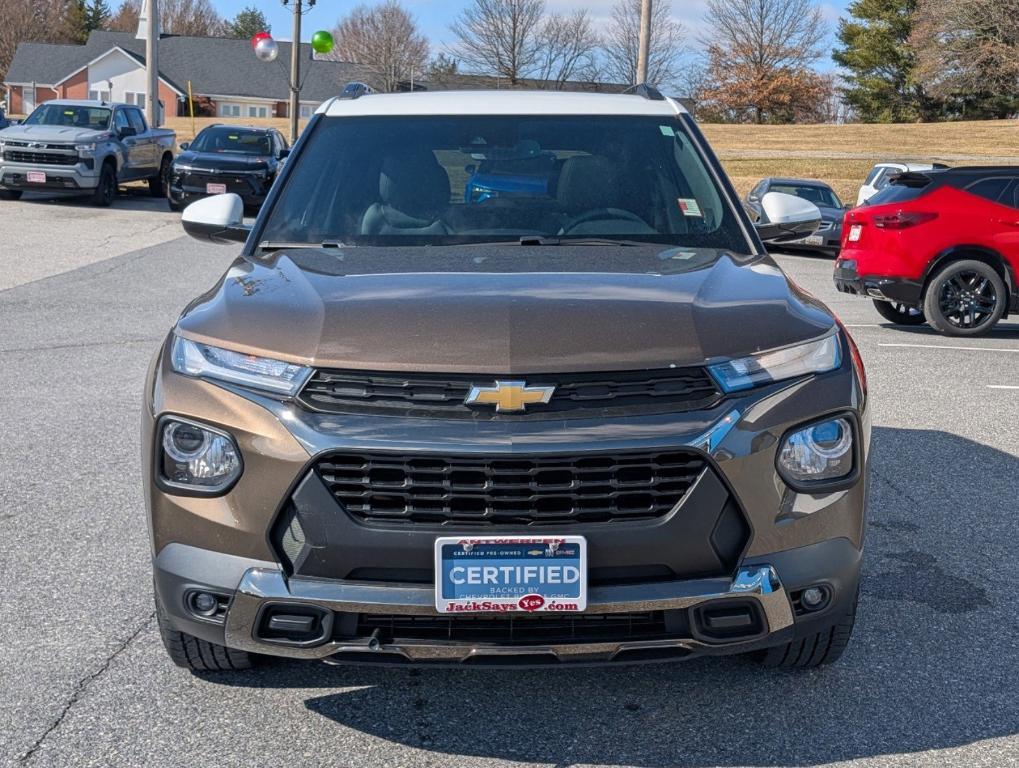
968 299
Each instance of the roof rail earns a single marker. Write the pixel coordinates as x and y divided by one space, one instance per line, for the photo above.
645 90
355 90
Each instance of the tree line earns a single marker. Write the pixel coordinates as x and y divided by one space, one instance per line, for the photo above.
758 61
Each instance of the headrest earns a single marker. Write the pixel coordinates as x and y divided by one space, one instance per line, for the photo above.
589 182
414 184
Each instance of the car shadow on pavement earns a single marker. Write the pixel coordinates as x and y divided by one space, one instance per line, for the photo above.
933 663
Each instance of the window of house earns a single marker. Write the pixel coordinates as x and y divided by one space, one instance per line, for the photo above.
306 111
97 95
230 110
254 111
138 99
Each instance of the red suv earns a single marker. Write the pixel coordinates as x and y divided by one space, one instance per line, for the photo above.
937 246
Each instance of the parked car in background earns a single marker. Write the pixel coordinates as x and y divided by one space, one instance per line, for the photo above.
937 246
227 158
882 174
84 148
828 236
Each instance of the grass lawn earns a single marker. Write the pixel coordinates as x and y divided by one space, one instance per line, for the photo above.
838 154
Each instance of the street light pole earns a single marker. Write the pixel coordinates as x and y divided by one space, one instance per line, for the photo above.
152 63
295 72
645 41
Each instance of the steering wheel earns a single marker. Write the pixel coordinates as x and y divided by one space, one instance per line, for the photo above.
601 214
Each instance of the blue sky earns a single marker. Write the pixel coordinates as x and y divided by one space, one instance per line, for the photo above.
434 16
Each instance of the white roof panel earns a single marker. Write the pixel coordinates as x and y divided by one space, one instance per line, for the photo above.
499 103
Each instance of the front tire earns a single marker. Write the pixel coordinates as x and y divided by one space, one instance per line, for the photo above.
966 298
900 314
107 188
196 654
818 649
159 185
10 194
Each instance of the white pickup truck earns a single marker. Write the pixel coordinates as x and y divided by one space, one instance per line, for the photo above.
84 148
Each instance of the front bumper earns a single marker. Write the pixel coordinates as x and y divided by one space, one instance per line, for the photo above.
898 290
186 187
67 179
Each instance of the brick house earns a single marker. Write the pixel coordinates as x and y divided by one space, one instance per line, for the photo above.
226 78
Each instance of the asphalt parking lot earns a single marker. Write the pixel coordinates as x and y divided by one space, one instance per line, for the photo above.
930 678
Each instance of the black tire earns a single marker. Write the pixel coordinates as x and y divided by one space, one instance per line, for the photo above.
900 314
10 194
159 185
196 654
175 207
824 647
966 298
107 188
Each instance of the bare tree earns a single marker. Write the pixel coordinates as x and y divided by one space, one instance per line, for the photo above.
42 21
760 59
500 37
568 49
193 18
621 43
967 46
386 39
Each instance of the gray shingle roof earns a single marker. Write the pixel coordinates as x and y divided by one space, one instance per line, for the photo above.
214 65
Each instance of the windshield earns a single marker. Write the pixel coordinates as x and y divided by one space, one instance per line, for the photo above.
897 193
89 118
819 196
231 141
431 180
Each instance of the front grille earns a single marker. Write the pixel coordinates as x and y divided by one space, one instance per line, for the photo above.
509 630
516 491
443 395
39 158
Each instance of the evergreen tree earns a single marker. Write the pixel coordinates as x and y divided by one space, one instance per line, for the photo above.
248 23
879 62
97 15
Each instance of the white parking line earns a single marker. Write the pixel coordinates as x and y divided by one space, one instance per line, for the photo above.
948 346
862 325
1001 386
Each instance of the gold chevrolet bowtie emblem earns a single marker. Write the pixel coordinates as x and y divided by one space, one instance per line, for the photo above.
509 396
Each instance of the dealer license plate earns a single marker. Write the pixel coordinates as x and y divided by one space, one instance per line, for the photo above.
36 177
215 189
854 233
495 574
814 240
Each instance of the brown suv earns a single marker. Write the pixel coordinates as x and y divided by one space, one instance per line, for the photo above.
498 378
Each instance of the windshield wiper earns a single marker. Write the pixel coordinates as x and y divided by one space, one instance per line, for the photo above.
269 245
542 240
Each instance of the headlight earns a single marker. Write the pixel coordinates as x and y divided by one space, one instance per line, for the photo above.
822 451
86 150
202 361
200 458
787 363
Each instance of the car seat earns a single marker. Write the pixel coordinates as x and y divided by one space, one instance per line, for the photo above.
413 193
594 194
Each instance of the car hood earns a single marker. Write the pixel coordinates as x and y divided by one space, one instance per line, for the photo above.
223 162
55 133
513 309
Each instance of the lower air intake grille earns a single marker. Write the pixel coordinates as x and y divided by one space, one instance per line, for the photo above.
512 491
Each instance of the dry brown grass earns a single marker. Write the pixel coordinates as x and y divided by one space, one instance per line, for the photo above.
913 140
838 154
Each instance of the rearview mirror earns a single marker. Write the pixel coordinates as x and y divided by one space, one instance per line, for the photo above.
126 132
218 219
284 154
184 146
786 217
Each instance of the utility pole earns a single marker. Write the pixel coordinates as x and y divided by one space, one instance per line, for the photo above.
645 41
295 71
152 63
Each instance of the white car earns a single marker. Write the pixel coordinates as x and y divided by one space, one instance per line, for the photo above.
882 173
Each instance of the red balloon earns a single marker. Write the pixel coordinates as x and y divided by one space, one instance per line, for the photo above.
260 36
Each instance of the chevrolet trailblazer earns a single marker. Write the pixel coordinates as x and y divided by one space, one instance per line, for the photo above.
584 419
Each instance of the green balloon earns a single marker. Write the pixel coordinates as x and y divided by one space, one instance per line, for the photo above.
322 41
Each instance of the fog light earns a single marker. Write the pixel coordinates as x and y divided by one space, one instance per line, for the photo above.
813 598
203 603
822 451
198 457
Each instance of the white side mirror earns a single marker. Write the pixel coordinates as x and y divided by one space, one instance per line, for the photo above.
787 217
219 219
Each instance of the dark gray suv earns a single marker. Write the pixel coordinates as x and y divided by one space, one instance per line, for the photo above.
577 416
